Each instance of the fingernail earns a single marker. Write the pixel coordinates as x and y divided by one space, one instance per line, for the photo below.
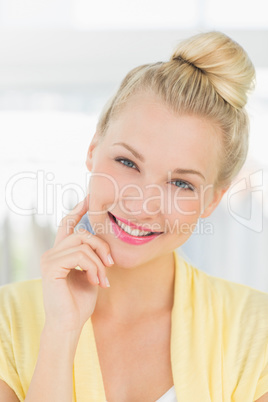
98 281
107 282
111 261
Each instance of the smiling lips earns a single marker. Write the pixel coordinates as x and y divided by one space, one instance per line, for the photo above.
130 233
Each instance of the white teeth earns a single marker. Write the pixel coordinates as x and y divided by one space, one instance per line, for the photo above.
133 232
136 232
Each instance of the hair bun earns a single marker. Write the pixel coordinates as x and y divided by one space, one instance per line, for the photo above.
224 61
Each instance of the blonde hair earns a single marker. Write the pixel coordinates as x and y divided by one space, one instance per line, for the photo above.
208 75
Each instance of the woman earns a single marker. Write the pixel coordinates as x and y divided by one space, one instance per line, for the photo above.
118 315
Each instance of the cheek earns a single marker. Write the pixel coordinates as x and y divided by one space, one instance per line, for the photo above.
103 188
187 206
107 184
182 221
103 183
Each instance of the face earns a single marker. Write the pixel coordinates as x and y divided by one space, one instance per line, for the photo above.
154 171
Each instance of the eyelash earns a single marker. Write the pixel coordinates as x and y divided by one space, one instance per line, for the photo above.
121 160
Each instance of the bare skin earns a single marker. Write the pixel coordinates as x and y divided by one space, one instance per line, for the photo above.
143 371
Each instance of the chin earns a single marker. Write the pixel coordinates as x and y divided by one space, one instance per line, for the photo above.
130 259
125 259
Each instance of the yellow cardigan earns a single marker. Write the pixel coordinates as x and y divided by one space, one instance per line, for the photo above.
219 338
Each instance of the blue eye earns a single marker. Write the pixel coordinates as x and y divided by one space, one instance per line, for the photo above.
178 183
183 184
126 162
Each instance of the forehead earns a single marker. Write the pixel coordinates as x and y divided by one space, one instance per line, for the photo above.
150 126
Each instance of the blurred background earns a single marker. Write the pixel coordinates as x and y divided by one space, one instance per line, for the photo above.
60 60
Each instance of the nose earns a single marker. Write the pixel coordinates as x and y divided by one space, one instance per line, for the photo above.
142 202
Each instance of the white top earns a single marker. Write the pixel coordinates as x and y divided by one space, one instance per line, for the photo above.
169 396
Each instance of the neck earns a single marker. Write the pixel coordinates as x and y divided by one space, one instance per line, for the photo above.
137 293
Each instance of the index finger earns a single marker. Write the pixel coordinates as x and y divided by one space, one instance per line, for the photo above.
68 223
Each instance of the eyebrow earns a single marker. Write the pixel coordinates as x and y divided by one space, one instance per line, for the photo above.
135 153
141 158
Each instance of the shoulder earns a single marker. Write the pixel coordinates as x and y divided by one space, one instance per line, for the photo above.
241 311
232 324
21 286
21 299
21 321
226 293
21 290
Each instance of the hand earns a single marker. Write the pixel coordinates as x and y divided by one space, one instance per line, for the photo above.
71 272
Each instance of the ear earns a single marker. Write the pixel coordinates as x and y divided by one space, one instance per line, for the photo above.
218 194
92 146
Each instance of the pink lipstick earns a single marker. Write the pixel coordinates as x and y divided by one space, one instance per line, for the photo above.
123 234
